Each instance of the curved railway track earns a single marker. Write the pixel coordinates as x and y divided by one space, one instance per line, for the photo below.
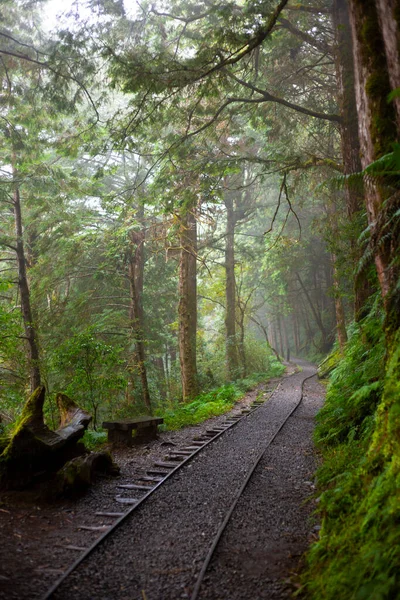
157 477
196 590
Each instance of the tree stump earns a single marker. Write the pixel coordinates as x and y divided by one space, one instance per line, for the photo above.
34 449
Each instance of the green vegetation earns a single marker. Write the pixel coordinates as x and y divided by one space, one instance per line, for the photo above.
215 402
94 439
358 554
206 405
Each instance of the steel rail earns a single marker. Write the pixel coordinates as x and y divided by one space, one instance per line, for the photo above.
151 491
232 507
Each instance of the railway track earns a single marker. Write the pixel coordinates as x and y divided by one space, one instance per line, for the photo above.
197 587
158 476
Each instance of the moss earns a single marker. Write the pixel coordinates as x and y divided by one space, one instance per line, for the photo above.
376 84
383 130
33 409
358 554
32 414
80 472
386 439
329 363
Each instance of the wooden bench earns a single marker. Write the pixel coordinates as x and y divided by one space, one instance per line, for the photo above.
121 431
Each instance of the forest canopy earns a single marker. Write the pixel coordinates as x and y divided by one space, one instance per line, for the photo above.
169 193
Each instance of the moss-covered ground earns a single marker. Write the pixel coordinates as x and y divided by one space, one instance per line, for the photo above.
357 556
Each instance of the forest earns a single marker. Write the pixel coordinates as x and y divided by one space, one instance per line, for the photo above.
192 192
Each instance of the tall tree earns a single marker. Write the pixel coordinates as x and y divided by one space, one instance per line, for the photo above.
377 132
187 309
232 361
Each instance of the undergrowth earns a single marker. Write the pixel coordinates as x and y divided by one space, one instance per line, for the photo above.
94 439
357 556
213 403
206 405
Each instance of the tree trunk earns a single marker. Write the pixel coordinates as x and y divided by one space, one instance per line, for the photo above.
187 309
274 337
339 309
285 339
326 341
389 17
309 334
241 346
279 325
232 361
377 132
30 331
354 194
295 327
136 315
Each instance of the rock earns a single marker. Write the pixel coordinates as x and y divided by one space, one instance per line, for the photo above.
80 472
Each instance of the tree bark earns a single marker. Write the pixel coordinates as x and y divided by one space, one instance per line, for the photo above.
377 132
30 330
136 314
187 309
232 361
389 17
354 193
339 308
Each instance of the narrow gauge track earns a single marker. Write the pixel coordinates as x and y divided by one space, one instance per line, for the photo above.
74 582
196 591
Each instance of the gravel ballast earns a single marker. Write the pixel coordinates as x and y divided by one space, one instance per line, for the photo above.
272 523
156 553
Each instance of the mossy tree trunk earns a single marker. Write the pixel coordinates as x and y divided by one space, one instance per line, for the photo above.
377 131
354 193
34 449
339 308
389 20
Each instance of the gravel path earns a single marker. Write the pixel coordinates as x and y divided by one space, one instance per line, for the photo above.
157 552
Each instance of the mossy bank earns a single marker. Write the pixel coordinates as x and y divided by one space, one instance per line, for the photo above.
358 553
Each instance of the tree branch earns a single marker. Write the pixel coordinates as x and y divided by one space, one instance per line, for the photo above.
306 37
251 45
309 9
267 97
